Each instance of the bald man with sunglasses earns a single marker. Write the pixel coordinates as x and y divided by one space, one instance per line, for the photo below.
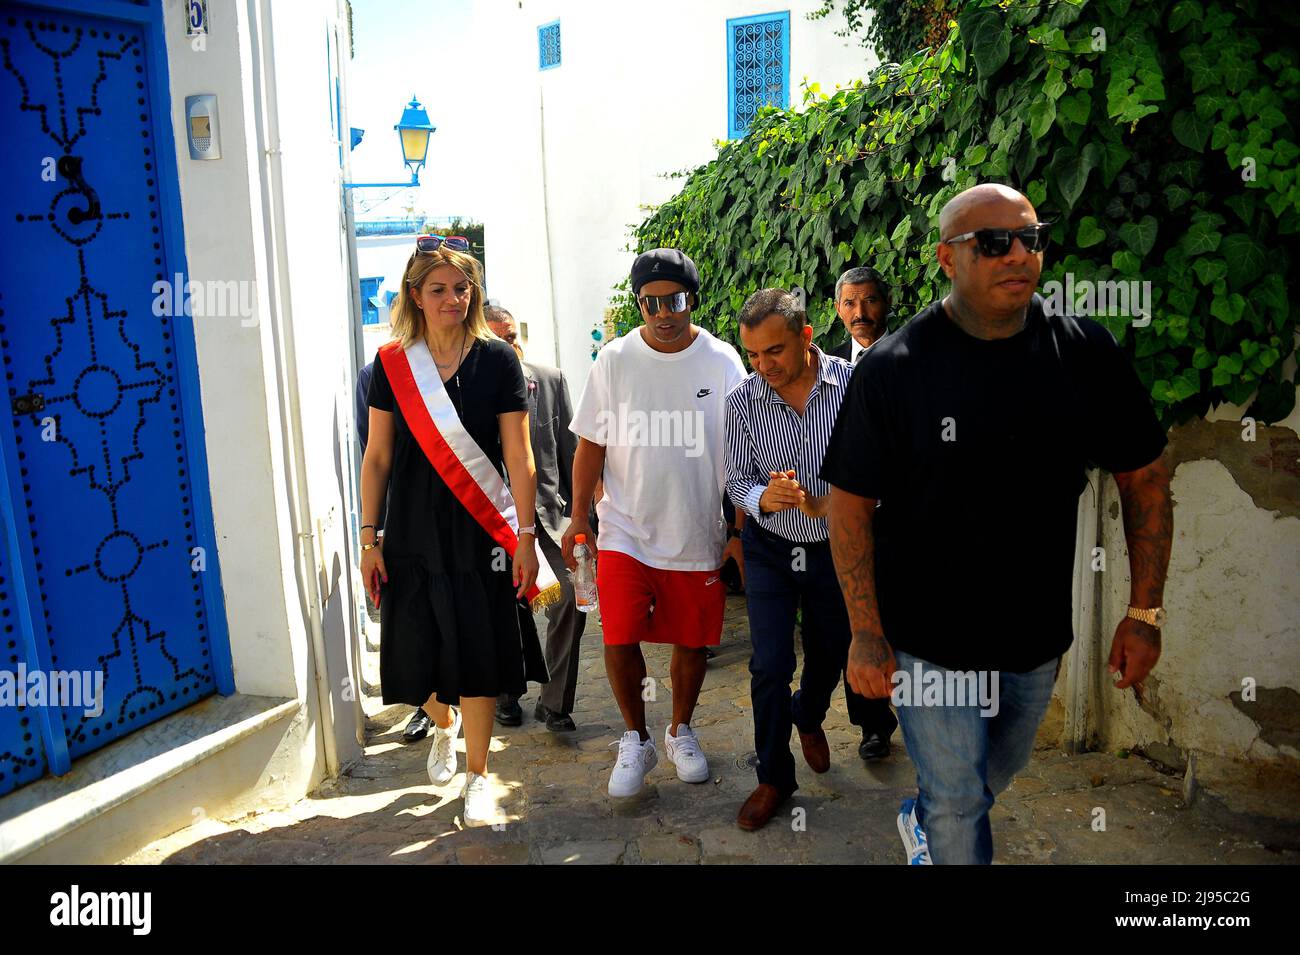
972 428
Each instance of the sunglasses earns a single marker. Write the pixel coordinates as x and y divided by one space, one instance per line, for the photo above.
997 242
431 243
672 302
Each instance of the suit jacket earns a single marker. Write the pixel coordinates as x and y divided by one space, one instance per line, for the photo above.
363 424
845 348
549 414
363 404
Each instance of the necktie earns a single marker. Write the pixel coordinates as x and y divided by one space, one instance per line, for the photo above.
859 357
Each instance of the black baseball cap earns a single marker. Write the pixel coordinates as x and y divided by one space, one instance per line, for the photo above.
670 265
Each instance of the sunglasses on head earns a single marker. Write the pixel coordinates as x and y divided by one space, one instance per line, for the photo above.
672 302
997 242
431 243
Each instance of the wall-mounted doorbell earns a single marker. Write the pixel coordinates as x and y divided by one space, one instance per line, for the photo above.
201 126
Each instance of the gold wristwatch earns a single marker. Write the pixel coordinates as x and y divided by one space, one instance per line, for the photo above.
1154 617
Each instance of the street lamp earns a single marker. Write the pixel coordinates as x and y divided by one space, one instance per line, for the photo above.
414 130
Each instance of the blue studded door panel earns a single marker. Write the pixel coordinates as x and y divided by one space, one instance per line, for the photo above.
101 483
22 757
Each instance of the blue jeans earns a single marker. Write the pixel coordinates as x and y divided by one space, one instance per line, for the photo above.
780 580
964 760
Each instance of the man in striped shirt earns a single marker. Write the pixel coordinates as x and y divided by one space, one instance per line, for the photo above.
779 422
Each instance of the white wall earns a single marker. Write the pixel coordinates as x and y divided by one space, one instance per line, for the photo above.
641 92
319 286
234 230
222 212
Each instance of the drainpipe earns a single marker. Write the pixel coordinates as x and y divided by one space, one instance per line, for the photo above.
358 362
286 361
546 225
1081 704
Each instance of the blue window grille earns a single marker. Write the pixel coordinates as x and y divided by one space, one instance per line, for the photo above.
370 300
548 45
758 68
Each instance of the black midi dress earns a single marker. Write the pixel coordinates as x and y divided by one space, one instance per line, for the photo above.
449 621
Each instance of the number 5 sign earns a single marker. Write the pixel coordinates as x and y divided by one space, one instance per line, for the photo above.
196 18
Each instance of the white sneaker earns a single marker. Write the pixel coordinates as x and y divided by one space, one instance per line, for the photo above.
480 801
684 753
915 843
442 755
635 759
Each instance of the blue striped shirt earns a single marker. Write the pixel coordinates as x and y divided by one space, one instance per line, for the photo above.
765 434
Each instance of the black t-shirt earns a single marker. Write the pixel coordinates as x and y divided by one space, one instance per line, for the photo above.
977 451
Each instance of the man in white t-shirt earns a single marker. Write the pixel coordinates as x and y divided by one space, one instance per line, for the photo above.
651 420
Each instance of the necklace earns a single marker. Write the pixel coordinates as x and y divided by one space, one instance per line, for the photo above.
456 377
459 353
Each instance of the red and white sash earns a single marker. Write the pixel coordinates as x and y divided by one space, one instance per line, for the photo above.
456 456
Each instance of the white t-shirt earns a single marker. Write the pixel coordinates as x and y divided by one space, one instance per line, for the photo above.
661 419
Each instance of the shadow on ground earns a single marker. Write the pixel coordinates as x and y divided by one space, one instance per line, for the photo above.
552 788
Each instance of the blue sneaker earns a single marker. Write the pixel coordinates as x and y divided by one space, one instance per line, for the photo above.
914 841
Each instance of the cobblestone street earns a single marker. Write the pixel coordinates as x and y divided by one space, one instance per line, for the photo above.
553 788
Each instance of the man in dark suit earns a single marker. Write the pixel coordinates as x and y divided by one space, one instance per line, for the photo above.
862 301
363 435
549 413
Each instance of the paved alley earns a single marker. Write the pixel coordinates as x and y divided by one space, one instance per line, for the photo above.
553 788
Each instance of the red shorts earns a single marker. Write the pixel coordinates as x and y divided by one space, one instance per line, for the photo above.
640 603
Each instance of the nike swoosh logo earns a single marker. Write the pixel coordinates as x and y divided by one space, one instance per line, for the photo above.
703 392
710 581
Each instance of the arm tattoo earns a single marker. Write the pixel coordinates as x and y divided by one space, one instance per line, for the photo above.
853 548
1149 529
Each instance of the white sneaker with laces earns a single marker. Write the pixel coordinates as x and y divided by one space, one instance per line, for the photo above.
635 759
684 753
442 754
480 801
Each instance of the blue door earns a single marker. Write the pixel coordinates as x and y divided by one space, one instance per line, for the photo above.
22 755
108 562
370 300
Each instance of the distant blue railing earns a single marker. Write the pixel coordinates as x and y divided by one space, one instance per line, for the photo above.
391 227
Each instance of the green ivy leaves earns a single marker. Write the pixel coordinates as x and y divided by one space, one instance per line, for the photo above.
1139 236
1245 259
989 39
1191 130
1168 157
1089 233
1069 171
1042 113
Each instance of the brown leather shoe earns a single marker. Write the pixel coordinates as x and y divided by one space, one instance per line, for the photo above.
762 803
816 751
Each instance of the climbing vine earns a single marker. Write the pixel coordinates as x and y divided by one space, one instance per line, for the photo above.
896 28
1159 138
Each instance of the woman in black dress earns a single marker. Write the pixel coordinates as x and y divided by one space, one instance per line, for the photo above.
447 596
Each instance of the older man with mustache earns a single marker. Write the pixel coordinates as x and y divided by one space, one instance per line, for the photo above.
862 302
973 427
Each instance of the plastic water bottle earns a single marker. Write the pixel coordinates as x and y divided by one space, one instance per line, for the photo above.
584 575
